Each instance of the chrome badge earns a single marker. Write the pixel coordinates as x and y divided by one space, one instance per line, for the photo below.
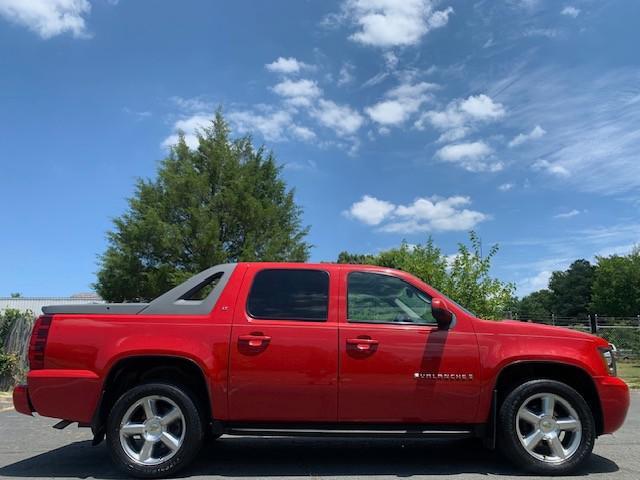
462 377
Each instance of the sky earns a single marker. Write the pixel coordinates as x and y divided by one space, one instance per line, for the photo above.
393 121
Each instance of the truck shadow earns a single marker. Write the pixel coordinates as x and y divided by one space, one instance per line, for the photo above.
262 457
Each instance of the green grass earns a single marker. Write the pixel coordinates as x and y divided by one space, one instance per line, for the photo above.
630 373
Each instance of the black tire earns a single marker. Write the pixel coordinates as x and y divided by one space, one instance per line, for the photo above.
509 440
190 428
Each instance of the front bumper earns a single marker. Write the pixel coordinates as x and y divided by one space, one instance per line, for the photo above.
614 399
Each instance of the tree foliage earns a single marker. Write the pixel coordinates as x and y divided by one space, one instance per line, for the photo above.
9 361
611 287
465 277
224 201
536 305
616 285
571 289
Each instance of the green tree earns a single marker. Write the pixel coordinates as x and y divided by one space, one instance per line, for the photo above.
224 201
536 305
616 285
9 361
571 289
464 278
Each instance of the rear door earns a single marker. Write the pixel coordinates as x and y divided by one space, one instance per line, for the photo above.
395 365
284 346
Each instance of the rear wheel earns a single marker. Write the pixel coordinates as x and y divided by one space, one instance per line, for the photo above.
546 427
154 430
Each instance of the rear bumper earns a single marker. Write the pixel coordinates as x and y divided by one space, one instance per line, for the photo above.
21 400
67 394
614 399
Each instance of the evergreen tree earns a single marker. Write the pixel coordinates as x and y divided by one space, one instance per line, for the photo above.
224 201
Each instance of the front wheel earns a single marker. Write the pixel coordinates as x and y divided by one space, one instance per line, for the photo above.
547 427
154 430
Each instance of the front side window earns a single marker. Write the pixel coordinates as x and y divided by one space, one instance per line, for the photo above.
289 294
378 298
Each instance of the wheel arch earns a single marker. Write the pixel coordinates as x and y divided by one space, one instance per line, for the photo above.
521 371
132 370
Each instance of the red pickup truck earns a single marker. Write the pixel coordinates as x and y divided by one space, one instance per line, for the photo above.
300 349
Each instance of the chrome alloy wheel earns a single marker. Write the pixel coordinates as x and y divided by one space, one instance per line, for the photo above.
548 428
152 430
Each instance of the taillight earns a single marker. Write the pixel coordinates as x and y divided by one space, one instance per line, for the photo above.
38 342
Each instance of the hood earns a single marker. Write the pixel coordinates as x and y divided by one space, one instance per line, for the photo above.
514 327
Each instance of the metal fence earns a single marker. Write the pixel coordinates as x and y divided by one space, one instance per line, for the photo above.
623 332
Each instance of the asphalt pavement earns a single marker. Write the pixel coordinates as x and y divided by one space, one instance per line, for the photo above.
31 449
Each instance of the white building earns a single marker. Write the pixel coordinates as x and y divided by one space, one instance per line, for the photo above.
35 304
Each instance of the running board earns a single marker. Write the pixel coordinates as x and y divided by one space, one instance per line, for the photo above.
349 432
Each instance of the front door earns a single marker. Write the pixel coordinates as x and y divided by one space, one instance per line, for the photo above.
395 365
284 347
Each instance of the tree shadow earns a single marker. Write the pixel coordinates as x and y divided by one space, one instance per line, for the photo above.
263 457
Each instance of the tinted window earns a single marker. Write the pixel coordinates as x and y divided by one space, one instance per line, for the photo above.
289 295
375 298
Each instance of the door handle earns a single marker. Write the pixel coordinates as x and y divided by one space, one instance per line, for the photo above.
255 341
362 344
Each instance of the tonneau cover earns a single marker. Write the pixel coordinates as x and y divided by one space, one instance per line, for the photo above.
175 302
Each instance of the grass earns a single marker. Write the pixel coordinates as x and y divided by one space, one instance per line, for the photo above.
630 373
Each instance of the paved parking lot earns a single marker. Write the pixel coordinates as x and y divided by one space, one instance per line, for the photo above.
30 448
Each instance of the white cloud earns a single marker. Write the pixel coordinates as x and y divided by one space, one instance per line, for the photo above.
346 74
341 118
376 79
391 23
195 104
401 102
190 127
569 214
48 18
390 60
461 116
474 156
536 133
592 140
550 167
505 187
275 126
570 11
303 133
287 65
298 92
138 114
534 283
453 135
482 107
541 32
422 215
370 210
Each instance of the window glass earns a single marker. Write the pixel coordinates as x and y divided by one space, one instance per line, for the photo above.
289 294
376 298
202 291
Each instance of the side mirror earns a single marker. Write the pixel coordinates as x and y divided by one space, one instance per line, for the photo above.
441 313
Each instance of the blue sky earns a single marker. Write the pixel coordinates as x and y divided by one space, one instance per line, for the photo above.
393 120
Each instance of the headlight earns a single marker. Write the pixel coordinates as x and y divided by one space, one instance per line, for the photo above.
609 359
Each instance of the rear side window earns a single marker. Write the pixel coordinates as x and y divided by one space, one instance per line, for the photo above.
289 294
